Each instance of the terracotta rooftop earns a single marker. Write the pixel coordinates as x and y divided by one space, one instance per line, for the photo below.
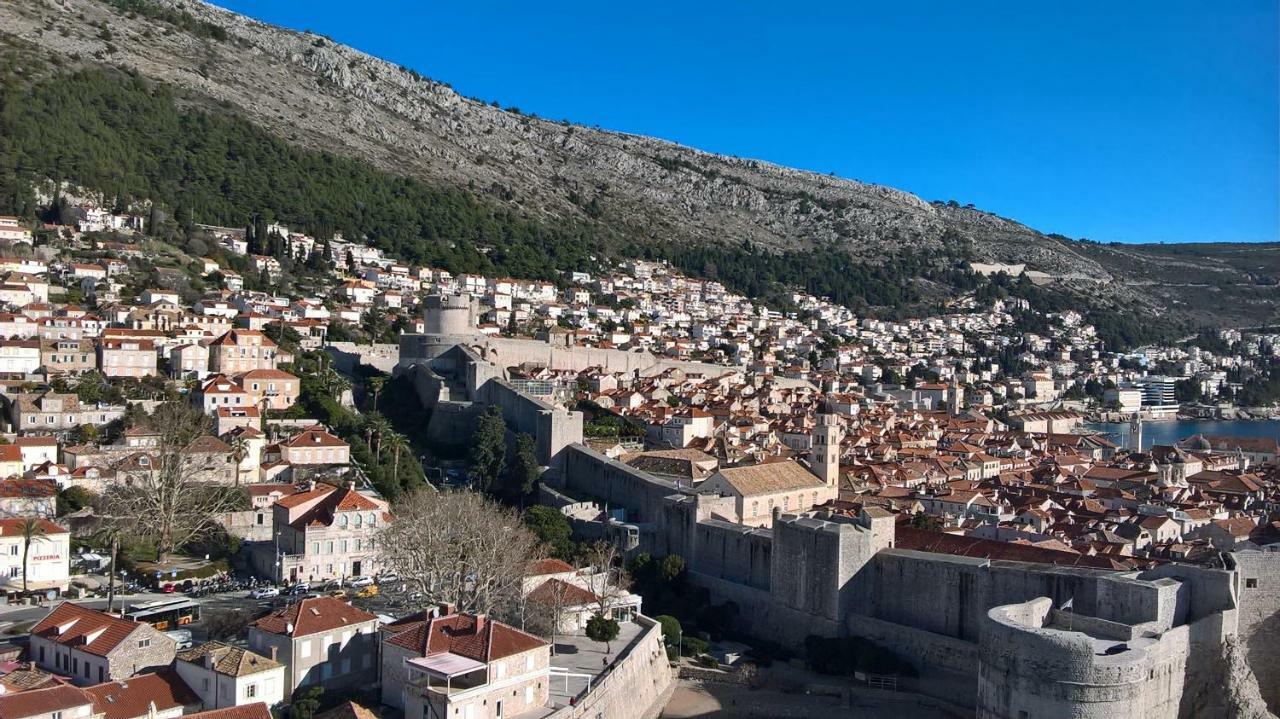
135 697
312 616
86 629
467 635
228 660
39 702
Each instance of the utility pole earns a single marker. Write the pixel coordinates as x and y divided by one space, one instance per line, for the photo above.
111 579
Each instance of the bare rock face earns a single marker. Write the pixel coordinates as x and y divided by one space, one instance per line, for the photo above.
333 97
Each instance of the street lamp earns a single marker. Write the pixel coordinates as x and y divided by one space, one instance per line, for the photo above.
279 560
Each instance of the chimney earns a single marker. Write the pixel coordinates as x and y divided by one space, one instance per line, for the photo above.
480 621
208 660
274 652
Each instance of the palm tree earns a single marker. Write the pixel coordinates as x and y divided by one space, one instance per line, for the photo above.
396 444
32 531
239 450
375 386
380 427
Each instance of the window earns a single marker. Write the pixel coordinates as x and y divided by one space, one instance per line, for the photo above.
15 572
500 671
1251 583
56 715
528 663
13 550
143 643
251 691
528 695
206 683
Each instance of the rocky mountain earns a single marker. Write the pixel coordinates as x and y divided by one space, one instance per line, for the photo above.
322 95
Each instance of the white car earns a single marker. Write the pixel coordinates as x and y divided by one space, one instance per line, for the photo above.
358 582
388 578
265 593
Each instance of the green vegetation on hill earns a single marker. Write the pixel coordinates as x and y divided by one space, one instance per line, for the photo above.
132 140
135 141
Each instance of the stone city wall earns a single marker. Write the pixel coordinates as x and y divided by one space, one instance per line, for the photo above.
1258 584
1028 669
637 686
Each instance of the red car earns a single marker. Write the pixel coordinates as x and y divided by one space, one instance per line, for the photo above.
169 588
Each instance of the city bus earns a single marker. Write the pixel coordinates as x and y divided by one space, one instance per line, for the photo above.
165 613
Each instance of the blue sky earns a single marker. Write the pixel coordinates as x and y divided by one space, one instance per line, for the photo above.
1134 121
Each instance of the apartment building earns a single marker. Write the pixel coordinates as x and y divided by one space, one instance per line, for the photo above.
92 647
54 412
320 640
447 664
276 388
227 676
239 351
68 357
314 446
127 357
328 532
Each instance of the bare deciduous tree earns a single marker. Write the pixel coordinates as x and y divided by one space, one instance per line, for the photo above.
162 501
610 581
460 548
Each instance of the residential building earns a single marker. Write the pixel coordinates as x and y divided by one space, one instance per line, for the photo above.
159 695
328 532
320 641
54 412
68 356
227 676
62 701
239 351
48 557
93 647
315 446
19 357
447 664
126 357
276 388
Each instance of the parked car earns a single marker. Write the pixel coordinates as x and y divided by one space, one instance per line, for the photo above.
369 591
265 593
181 637
338 594
299 589
364 581
169 589
388 578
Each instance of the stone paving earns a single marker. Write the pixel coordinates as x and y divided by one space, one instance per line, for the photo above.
577 654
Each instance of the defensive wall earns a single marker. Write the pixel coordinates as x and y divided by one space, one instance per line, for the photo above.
637 686
816 573
1258 587
1000 626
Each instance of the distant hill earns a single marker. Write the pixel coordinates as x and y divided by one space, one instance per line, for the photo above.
638 195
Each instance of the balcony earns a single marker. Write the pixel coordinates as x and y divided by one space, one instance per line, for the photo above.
446 675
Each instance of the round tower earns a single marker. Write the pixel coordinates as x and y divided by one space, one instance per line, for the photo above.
448 315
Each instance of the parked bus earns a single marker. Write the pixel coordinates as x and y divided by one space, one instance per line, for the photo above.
165 614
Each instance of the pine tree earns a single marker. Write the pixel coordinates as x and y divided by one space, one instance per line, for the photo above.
489 448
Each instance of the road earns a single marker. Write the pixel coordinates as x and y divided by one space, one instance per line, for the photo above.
390 601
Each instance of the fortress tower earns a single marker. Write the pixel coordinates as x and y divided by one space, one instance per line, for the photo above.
824 453
449 315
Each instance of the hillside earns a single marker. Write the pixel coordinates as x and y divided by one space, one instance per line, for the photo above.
644 192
